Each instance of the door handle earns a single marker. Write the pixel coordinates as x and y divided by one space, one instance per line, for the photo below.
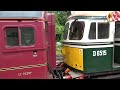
35 53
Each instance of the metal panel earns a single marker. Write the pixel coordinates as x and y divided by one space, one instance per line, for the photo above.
21 14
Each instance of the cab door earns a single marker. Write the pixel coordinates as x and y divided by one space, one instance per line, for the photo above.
116 63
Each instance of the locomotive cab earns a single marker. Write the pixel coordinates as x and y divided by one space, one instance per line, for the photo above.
88 43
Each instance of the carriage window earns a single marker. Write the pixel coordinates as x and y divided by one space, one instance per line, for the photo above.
103 30
76 30
92 33
23 36
117 29
66 31
12 36
27 36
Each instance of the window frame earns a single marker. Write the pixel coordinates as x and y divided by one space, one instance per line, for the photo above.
67 30
98 32
82 32
19 35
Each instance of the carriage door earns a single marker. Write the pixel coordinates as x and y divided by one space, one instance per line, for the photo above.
117 45
23 51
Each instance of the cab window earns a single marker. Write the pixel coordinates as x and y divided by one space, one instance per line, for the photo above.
103 30
92 33
117 29
99 30
66 31
76 30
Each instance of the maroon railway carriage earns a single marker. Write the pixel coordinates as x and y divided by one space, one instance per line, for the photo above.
27 45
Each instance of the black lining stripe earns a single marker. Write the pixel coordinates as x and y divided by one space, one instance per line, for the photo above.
21 66
87 44
3 69
30 66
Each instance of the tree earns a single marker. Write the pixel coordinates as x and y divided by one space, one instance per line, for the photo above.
60 18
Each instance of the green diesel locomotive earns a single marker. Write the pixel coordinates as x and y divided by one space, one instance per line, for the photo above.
91 47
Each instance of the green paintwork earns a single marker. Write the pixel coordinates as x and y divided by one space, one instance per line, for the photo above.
97 63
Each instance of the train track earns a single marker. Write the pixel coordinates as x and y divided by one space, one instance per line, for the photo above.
59 58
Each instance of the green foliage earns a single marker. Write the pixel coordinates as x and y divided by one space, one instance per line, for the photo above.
58 49
59 29
60 18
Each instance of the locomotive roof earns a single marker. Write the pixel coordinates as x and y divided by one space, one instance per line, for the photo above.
92 15
89 17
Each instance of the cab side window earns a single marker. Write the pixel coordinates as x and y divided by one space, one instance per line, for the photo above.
103 30
117 29
92 33
66 31
99 30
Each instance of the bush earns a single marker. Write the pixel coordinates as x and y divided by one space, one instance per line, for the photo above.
58 48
